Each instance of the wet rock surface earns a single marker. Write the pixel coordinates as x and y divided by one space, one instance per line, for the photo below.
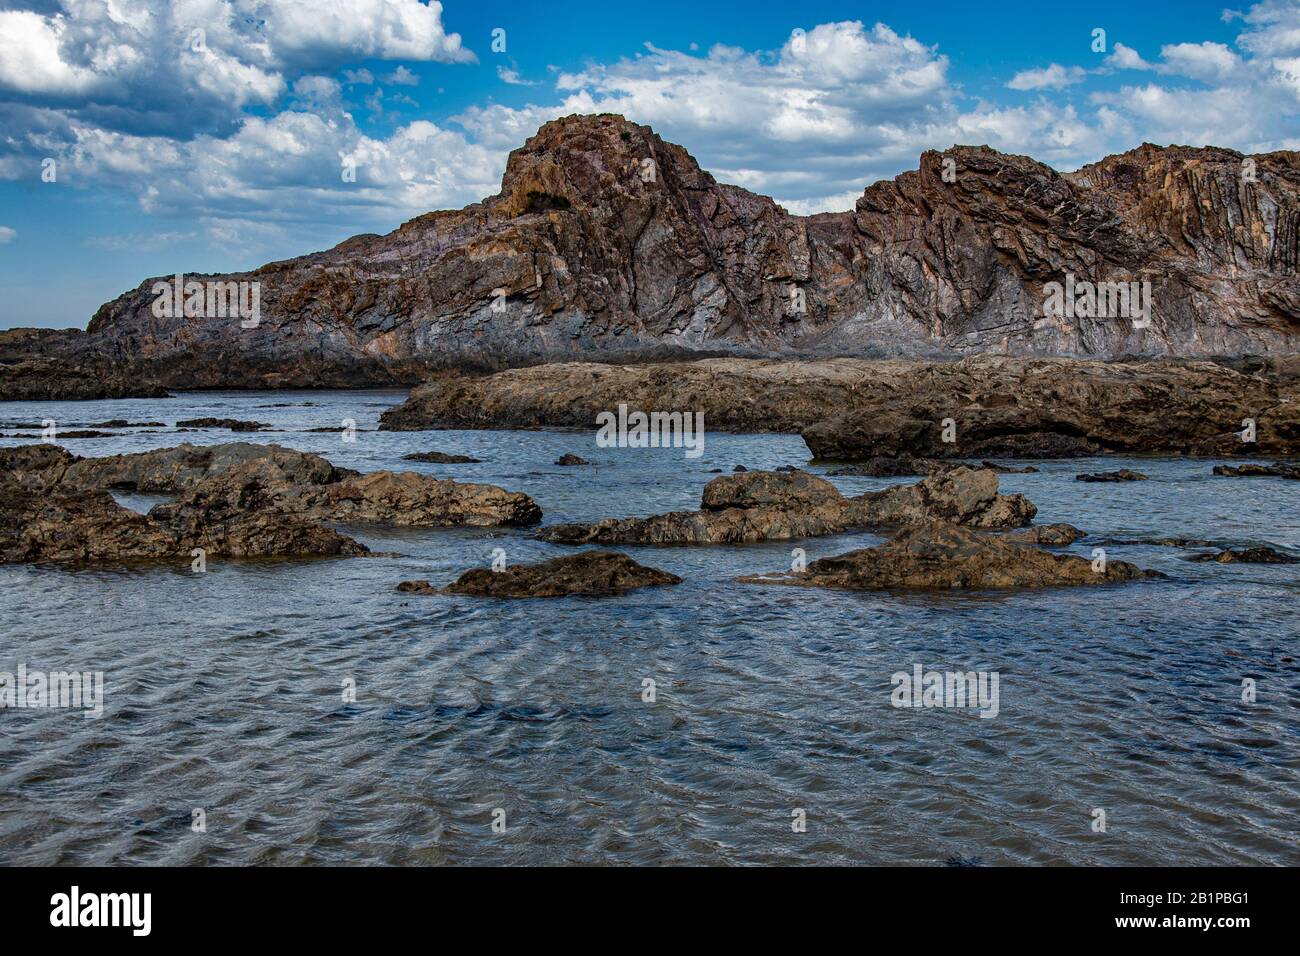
570 459
942 555
441 458
1053 535
233 424
764 505
890 415
590 573
1247 556
1123 474
1280 470
234 500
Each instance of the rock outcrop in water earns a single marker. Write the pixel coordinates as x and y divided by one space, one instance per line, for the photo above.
942 555
765 506
236 500
849 409
1280 470
607 241
596 573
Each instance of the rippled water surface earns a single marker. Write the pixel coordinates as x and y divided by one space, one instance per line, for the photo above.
224 689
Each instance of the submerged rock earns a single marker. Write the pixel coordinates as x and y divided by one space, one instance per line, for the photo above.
234 424
1247 556
1122 475
590 572
905 466
1280 470
942 555
570 459
764 506
441 458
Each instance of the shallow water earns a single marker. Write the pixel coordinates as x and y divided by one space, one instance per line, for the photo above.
223 690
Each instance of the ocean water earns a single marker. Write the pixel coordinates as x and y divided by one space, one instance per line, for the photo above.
224 690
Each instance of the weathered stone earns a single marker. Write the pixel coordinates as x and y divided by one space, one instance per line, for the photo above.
1280 470
598 260
1122 475
766 506
1247 556
571 459
441 458
234 424
73 526
590 572
171 470
1048 534
942 555
408 498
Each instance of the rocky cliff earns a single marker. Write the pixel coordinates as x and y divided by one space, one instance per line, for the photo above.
608 242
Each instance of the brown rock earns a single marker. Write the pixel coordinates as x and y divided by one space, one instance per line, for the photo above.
765 506
441 458
597 259
590 572
570 459
234 424
1122 475
171 470
1048 534
941 555
1247 556
408 498
1280 470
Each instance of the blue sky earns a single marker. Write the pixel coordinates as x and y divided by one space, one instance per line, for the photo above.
176 155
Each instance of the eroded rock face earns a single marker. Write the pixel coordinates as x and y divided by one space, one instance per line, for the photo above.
591 572
765 506
598 258
945 556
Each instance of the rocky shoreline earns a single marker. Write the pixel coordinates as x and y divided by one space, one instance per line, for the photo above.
908 411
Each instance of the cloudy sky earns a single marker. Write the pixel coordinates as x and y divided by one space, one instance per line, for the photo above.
211 135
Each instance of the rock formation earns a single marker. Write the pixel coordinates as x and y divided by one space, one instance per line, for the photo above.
941 555
235 500
607 241
765 506
594 573
850 409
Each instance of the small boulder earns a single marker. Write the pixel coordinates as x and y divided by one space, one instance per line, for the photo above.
570 459
590 572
